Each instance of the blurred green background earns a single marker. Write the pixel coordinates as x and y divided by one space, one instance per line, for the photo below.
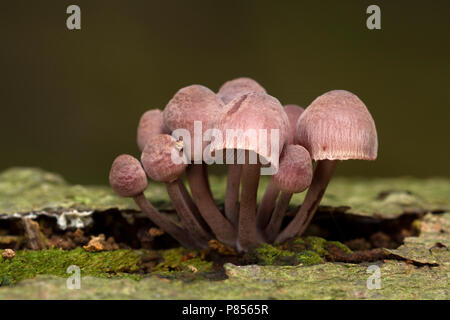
71 100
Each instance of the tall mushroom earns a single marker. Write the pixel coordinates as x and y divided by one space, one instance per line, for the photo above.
164 161
336 126
294 175
192 104
128 179
248 124
271 194
227 92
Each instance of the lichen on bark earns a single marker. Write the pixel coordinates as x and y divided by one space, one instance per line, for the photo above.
420 269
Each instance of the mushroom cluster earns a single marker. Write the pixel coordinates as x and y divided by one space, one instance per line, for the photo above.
253 134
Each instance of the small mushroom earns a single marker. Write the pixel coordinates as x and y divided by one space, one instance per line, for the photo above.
294 176
254 117
336 126
8 254
191 104
164 161
150 124
227 92
270 196
128 179
293 112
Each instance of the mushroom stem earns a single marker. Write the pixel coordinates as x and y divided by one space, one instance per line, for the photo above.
321 178
188 199
274 225
267 204
188 218
205 177
220 226
164 223
248 235
232 193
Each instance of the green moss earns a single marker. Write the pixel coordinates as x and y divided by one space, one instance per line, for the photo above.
340 245
308 258
308 251
27 264
317 244
314 244
270 255
181 260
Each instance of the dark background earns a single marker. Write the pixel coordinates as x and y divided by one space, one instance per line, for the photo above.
71 100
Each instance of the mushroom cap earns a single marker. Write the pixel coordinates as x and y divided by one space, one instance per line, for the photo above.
295 172
127 177
189 104
253 113
237 87
150 124
337 126
157 158
293 112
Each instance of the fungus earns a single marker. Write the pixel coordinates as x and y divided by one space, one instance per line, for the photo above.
336 126
227 92
293 112
188 105
294 176
237 87
128 179
270 196
191 104
150 124
250 118
8 254
244 120
164 161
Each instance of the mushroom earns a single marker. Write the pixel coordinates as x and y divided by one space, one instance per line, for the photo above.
150 124
237 87
128 179
247 124
191 104
271 194
227 92
336 126
293 112
294 176
164 161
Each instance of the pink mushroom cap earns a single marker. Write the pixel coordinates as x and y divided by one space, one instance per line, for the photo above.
295 171
337 126
237 87
190 104
293 112
150 124
157 158
127 177
253 113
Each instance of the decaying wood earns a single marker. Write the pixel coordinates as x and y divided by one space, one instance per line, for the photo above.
35 239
